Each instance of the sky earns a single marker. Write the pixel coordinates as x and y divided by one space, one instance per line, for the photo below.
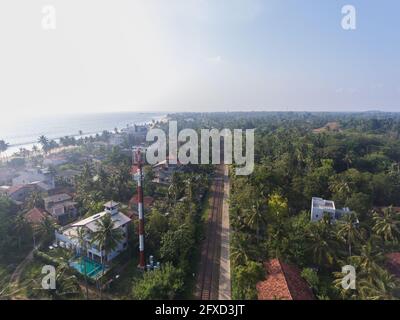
198 55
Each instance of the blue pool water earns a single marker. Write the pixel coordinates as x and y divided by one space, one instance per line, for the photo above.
93 269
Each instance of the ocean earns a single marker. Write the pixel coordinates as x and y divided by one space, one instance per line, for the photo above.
23 132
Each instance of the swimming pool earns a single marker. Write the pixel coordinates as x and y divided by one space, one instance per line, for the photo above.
93 269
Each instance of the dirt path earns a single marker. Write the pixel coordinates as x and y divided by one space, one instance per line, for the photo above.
225 263
16 275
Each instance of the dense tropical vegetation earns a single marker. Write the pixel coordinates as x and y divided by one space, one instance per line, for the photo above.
354 160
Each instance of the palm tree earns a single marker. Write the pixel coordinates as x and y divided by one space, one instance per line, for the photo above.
323 247
82 241
255 217
368 260
3 146
348 230
46 229
340 186
239 254
387 225
107 238
174 189
20 227
35 200
348 158
66 285
344 292
189 188
35 150
45 143
379 287
24 153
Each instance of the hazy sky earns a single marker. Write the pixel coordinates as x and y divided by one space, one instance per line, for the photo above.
198 55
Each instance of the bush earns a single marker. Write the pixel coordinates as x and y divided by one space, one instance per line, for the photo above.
311 277
161 284
245 279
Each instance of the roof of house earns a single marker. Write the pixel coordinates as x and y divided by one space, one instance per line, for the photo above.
119 220
35 215
111 204
14 189
166 162
283 282
58 198
42 185
322 203
393 263
4 189
59 209
68 173
147 201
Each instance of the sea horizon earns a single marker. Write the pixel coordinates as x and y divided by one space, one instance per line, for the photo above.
24 132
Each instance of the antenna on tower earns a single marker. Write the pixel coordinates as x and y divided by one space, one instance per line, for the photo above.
138 159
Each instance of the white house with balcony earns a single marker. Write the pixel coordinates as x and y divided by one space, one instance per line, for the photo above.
321 207
68 236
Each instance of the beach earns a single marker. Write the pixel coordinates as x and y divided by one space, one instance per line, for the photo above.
24 132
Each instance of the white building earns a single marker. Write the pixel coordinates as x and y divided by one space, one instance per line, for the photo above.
68 236
320 207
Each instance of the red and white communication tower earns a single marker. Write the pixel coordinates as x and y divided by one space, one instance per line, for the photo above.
138 161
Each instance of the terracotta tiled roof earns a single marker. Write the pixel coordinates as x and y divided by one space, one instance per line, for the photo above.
393 263
283 282
35 216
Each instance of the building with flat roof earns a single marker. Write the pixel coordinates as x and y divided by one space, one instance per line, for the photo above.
321 207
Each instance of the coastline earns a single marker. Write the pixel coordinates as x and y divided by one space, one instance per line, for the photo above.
14 148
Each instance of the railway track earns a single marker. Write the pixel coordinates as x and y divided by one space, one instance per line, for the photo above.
209 265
